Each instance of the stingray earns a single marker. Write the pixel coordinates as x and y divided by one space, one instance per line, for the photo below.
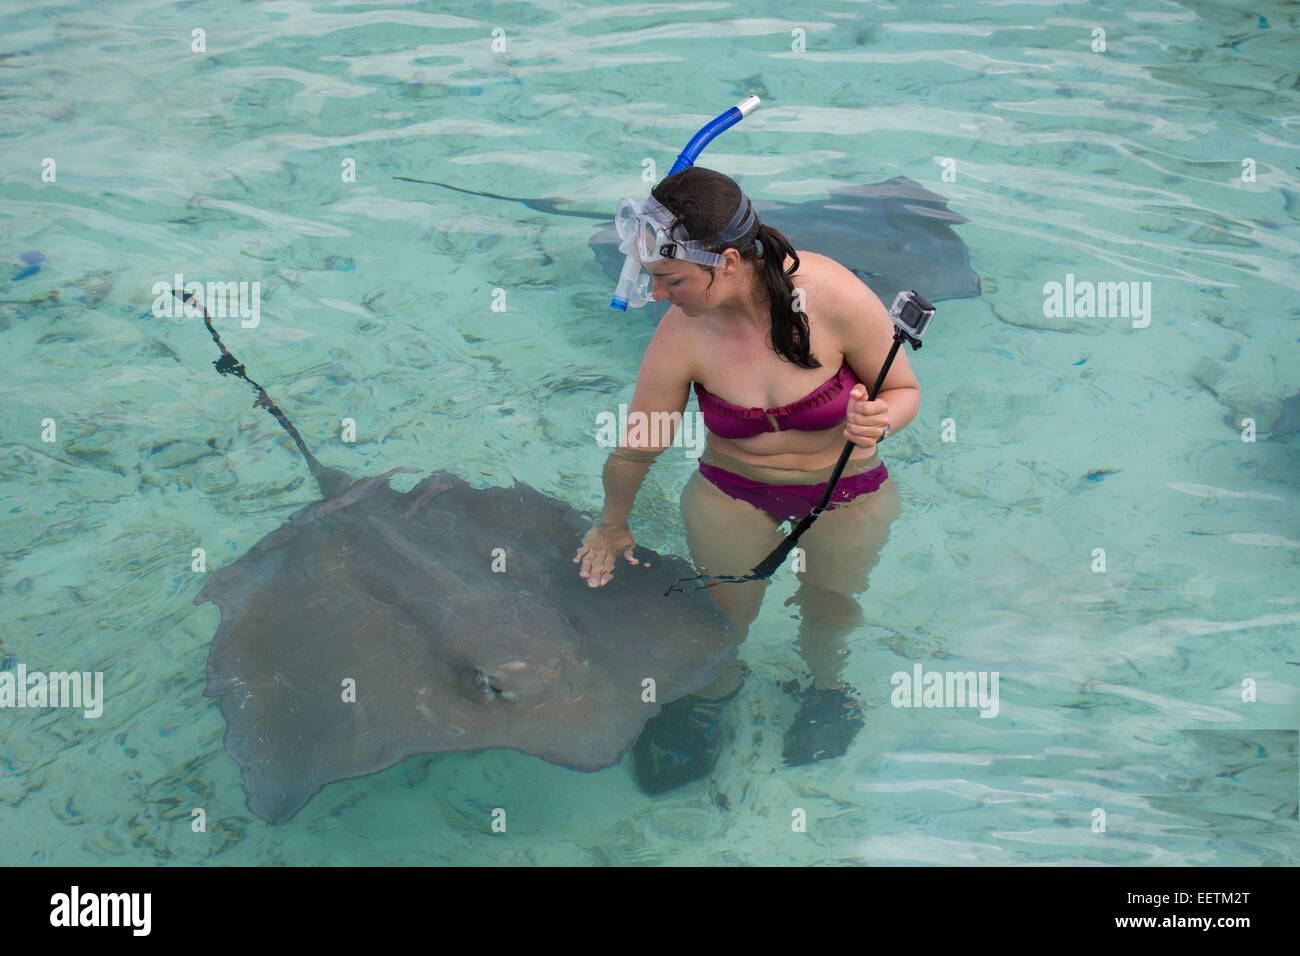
376 624
893 235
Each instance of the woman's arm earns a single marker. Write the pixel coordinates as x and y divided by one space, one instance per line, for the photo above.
662 389
625 471
865 332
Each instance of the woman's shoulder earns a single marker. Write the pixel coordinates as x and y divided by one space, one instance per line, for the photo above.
825 280
822 268
836 297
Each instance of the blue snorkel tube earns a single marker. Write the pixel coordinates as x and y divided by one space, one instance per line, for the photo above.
712 129
684 161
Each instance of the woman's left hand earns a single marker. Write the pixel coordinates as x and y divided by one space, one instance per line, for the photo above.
866 420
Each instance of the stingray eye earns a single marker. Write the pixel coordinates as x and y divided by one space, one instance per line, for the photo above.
487 684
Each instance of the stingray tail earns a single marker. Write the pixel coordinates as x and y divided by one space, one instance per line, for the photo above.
331 480
550 206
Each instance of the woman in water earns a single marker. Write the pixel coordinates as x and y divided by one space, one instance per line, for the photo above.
778 344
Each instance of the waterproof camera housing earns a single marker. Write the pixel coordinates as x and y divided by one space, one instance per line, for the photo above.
912 315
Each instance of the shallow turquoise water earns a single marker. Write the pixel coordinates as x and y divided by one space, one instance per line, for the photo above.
1120 691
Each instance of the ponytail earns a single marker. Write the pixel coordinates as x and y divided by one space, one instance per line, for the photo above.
790 336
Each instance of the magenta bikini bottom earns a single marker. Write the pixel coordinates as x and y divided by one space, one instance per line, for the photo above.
786 501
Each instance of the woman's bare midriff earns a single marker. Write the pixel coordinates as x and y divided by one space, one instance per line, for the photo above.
788 468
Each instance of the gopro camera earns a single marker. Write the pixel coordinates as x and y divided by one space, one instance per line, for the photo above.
912 315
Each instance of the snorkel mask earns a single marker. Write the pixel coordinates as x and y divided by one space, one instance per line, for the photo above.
646 235
645 229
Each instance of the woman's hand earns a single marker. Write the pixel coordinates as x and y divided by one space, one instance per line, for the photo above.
599 552
866 420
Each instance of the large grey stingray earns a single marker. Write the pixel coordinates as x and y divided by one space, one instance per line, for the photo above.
893 235
374 624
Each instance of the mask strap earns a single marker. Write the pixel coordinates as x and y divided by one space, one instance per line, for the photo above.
741 222
692 250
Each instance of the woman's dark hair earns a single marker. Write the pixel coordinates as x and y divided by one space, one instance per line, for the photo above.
704 202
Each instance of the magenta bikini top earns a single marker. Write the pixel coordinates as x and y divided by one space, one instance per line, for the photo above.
824 407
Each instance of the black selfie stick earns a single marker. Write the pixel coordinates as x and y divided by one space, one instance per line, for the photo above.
911 315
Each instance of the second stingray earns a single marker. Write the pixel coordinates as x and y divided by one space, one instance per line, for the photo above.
893 235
